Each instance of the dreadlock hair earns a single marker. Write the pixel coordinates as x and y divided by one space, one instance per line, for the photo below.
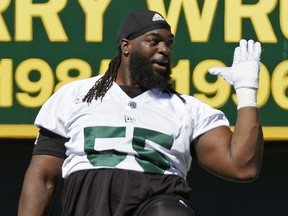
103 84
170 90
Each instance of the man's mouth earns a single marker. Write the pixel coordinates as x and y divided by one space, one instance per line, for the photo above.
160 66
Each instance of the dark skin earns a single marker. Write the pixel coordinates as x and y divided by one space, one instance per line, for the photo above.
39 185
235 156
155 45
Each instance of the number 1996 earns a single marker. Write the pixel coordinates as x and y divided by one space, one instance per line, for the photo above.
33 93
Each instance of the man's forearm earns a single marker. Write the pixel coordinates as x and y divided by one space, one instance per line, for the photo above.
39 184
35 198
247 140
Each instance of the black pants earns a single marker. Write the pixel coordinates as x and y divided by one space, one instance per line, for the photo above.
115 192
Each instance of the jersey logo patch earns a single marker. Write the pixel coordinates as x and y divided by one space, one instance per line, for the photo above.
129 119
132 104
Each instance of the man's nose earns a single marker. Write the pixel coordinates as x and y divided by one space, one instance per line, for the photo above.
165 49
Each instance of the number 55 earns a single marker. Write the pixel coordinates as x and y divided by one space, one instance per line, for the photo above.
149 159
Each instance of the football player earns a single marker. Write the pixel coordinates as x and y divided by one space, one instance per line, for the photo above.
122 141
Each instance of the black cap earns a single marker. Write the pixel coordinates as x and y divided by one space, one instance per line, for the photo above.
140 22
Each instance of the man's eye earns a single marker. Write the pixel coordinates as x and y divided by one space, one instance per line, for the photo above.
153 41
171 43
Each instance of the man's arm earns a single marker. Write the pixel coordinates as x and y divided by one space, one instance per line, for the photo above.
236 156
39 185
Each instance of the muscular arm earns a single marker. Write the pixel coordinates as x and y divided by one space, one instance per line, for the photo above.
43 174
39 185
238 155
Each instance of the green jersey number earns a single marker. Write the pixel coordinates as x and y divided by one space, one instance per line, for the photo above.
149 159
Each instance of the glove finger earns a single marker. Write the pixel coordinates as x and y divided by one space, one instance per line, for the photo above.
216 70
237 56
222 71
251 50
257 51
243 49
250 45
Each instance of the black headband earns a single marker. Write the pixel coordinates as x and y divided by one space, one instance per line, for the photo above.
140 22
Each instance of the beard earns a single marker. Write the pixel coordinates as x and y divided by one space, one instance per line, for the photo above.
143 74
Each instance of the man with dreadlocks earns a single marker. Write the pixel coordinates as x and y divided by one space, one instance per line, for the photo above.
123 141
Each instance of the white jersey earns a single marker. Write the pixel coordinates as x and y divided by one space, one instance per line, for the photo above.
149 133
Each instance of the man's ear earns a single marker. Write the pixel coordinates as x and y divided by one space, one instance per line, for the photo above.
125 46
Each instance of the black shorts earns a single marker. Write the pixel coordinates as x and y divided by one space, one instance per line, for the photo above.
114 192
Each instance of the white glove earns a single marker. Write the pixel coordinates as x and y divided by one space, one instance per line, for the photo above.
244 72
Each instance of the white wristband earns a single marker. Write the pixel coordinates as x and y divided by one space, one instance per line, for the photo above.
247 97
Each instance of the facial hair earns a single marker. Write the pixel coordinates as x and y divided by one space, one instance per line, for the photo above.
143 74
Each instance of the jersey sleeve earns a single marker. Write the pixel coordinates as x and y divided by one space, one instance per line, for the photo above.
55 111
215 119
205 117
49 143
